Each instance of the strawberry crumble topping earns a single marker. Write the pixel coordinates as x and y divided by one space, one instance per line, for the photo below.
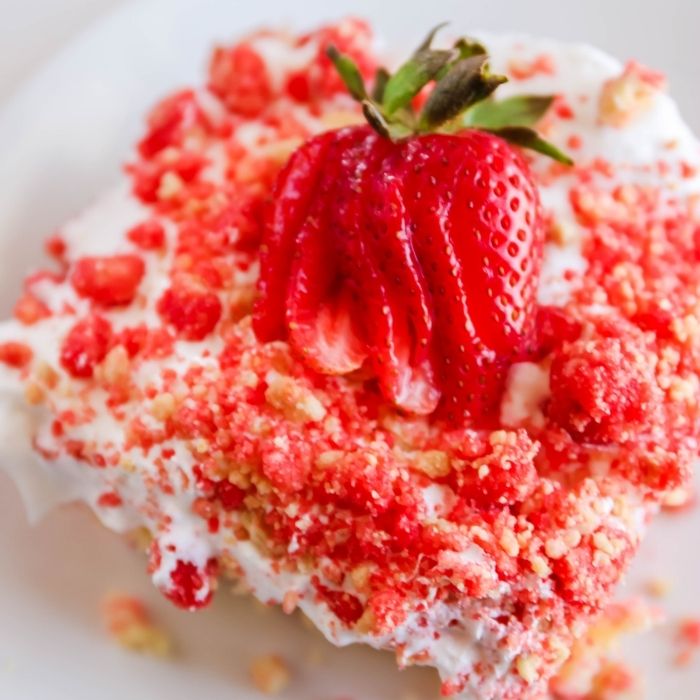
484 548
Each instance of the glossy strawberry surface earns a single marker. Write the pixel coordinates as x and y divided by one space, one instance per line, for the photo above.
418 258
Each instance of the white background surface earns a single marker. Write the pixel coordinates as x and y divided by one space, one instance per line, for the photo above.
661 31
61 138
32 30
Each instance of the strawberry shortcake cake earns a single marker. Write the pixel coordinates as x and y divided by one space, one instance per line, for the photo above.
415 352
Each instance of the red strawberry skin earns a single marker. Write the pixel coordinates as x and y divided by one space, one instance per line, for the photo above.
419 257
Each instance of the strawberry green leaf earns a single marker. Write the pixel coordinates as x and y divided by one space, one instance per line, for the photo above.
529 138
470 47
460 98
413 75
378 121
349 72
381 78
467 83
465 48
522 110
428 41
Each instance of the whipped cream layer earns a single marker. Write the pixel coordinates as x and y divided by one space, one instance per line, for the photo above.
477 653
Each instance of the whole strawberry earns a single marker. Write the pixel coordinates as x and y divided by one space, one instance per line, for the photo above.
412 245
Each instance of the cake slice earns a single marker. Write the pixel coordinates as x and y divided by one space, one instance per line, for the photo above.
258 351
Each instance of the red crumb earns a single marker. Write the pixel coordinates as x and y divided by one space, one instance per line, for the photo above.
574 142
503 476
345 606
562 108
688 170
169 122
109 499
238 75
689 632
351 37
652 77
85 346
191 587
555 327
228 495
687 641
192 313
684 657
108 281
521 69
150 235
602 388
17 355
55 246
29 310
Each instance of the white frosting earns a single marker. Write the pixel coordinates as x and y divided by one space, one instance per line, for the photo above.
526 390
283 57
581 71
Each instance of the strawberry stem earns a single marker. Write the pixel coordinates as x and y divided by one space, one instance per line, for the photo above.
428 41
462 96
466 84
413 76
381 78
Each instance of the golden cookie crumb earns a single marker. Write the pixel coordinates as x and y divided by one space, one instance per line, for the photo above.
527 665
295 402
658 587
129 623
270 674
433 463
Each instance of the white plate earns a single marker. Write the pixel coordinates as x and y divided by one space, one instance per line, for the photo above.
61 139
